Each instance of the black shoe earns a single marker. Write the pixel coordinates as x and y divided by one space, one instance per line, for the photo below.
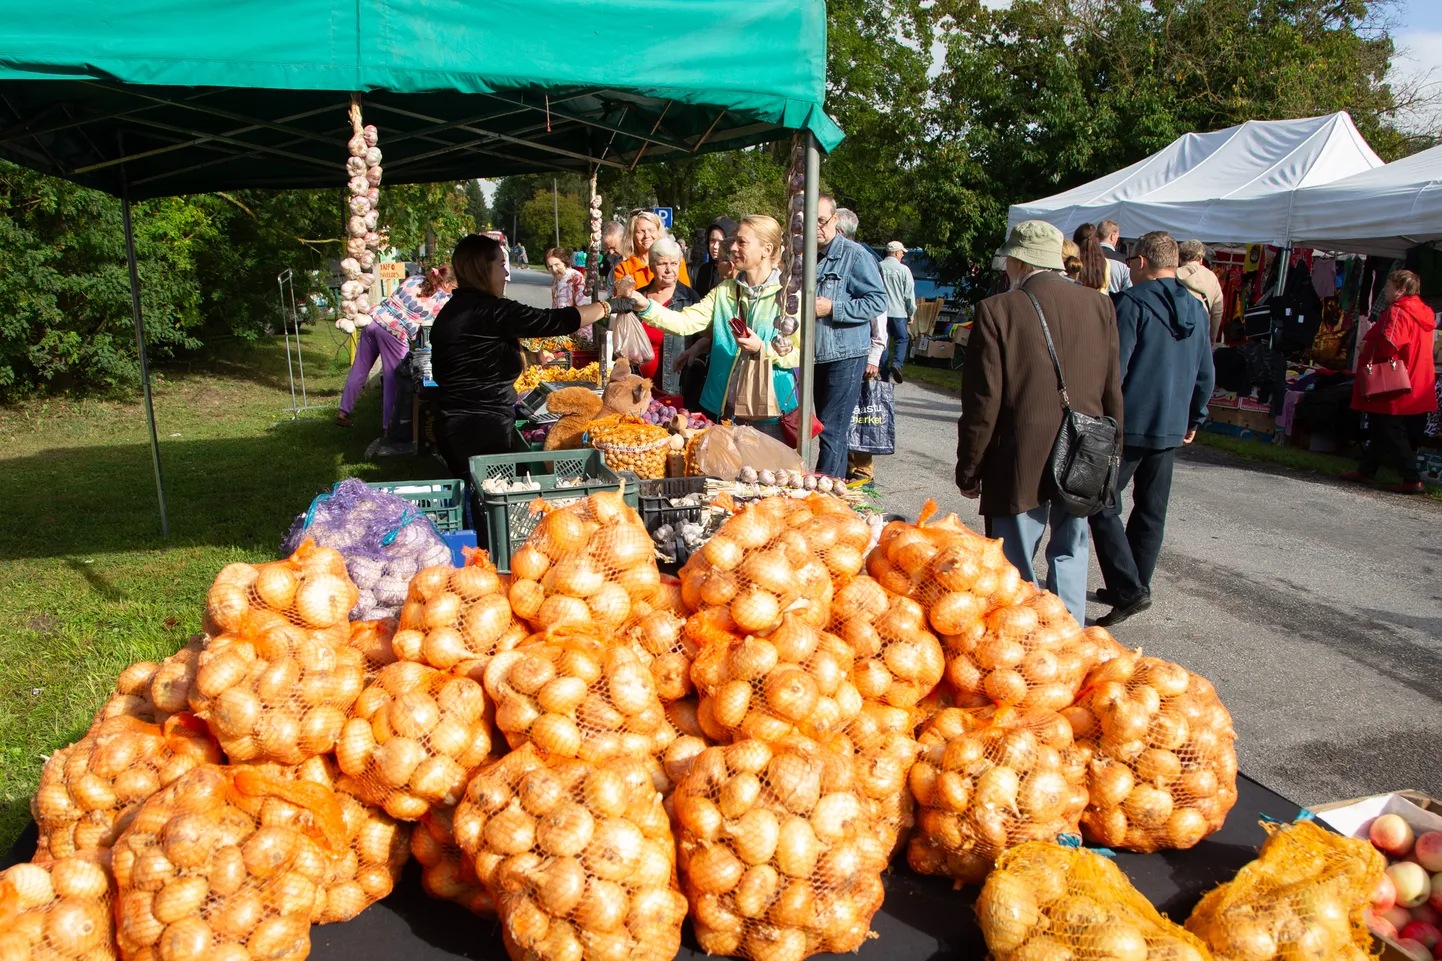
1123 611
896 374
1105 596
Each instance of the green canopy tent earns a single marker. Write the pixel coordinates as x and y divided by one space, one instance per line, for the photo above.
163 97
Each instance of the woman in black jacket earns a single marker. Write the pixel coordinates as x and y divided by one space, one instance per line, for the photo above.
476 353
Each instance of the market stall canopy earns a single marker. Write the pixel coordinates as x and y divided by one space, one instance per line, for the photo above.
182 97
1234 185
1385 211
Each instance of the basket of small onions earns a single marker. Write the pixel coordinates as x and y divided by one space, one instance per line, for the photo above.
58 911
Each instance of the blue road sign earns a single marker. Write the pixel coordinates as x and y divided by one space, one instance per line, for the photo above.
665 214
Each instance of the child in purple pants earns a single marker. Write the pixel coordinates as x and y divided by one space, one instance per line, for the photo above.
374 340
415 302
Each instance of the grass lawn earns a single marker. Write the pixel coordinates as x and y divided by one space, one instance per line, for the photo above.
89 584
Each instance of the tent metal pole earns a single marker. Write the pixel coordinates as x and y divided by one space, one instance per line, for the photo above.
806 389
140 349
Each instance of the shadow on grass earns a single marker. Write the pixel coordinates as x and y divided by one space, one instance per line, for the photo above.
231 492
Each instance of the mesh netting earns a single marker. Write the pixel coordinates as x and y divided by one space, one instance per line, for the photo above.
682 715
836 533
756 569
585 565
881 742
384 539
1030 654
1163 772
309 589
778 856
659 640
579 857
414 737
456 614
152 692
988 779
225 863
89 791
1305 897
446 873
898 661
57 912
795 680
1045 902
574 696
373 640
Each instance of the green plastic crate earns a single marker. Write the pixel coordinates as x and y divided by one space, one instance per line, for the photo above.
509 520
443 501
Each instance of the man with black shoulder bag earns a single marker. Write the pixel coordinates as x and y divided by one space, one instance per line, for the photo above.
1040 431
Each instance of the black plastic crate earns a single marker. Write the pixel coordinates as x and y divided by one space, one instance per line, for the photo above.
656 508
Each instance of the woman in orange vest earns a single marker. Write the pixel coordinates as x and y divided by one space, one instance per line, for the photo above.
643 231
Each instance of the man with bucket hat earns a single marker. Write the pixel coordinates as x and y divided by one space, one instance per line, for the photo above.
1012 409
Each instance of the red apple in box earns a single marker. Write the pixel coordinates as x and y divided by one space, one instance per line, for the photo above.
1391 835
1435 901
1397 916
1385 894
1415 950
1427 934
1429 851
1425 912
1380 926
1413 884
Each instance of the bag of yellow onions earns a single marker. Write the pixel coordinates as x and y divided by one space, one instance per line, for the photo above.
755 569
579 857
152 692
794 680
833 531
375 845
57 912
373 640
574 696
1045 902
952 571
456 614
778 857
226 863
660 641
415 736
310 589
1305 898
89 790
881 743
584 565
446 873
1164 767
898 661
988 779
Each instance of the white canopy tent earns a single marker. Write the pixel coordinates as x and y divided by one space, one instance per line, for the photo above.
1384 211
1230 186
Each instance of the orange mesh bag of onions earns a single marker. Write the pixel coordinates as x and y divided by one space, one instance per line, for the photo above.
898 661
585 565
833 531
988 779
573 696
661 642
446 873
455 614
57 912
794 680
1305 898
881 743
152 692
1030 654
373 640
414 737
375 845
957 575
277 682
1045 902
89 790
226 863
754 570
778 856
579 857
1163 772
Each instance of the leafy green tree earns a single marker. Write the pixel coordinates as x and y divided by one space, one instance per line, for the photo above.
437 215
538 223
476 207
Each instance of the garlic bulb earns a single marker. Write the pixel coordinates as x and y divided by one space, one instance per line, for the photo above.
355 166
362 319
372 218
373 176
373 157
370 134
357 146
367 259
350 268
358 186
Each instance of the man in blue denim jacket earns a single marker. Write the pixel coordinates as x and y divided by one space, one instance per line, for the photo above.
849 293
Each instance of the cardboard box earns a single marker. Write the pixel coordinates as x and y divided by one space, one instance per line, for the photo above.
1258 422
944 349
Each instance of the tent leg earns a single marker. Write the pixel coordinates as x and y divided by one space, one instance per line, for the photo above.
140 349
805 443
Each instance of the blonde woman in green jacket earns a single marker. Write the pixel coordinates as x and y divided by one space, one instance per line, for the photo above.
756 291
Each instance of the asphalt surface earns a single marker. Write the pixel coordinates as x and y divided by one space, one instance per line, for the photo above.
1314 607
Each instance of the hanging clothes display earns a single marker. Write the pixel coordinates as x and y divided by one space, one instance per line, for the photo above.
1324 277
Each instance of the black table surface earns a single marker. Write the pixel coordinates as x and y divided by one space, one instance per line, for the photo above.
922 919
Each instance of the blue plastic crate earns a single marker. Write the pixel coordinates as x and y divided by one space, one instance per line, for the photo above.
456 540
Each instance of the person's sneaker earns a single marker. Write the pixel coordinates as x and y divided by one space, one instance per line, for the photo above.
1123 611
896 374
1415 487
1356 477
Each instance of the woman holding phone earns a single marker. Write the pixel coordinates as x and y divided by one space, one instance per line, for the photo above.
740 314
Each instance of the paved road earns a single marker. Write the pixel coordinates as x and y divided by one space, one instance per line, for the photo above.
1315 608
530 287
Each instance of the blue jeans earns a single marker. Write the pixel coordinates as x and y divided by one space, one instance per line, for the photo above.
899 339
838 386
1066 551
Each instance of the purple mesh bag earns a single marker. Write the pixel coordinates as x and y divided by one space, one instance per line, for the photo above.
384 539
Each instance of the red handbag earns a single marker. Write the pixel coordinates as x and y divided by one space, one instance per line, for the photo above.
791 426
1381 379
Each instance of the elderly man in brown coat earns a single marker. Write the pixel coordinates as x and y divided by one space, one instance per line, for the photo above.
1011 405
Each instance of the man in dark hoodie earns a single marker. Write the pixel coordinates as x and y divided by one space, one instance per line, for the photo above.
1166 362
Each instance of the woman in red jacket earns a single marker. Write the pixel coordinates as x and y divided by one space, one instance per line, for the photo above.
1394 424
